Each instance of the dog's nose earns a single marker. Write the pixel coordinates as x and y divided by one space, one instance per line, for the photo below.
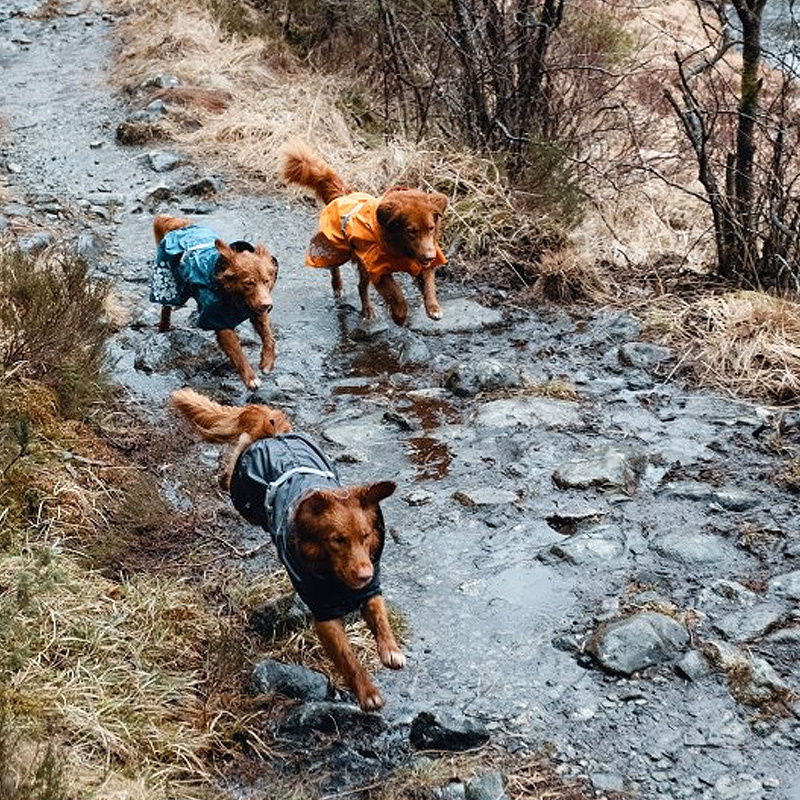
264 308
364 573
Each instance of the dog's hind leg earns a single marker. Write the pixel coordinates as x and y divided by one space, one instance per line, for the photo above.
426 282
165 322
336 282
374 613
334 640
232 347
393 295
367 307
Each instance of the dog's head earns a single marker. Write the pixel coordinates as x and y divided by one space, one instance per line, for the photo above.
262 421
247 274
410 221
341 531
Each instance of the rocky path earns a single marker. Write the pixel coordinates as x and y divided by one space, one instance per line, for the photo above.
612 571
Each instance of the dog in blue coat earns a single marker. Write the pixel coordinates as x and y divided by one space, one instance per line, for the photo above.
328 537
230 283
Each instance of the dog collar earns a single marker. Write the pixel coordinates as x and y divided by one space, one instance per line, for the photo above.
346 217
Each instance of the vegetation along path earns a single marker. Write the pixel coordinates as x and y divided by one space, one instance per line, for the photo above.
589 557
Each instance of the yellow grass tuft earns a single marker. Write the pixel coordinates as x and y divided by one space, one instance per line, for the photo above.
745 341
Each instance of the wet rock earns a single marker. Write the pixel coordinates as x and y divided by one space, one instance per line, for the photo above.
413 350
455 790
616 327
643 355
469 378
445 732
693 666
35 243
485 496
727 592
786 585
162 161
419 497
688 547
789 423
486 787
205 187
529 412
152 112
607 781
328 717
738 787
287 613
158 194
603 543
369 329
604 468
689 490
401 422
90 247
163 81
178 348
459 315
736 499
359 434
632 644
752 679
745 624
289 680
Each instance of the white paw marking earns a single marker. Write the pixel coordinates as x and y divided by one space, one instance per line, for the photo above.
254 384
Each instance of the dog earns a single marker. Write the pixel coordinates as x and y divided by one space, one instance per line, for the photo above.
230 282
328 537
240 424
398 232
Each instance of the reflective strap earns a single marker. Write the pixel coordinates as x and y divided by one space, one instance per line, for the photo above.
346 217
276 484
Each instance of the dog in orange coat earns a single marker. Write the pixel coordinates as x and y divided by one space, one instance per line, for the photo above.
397 232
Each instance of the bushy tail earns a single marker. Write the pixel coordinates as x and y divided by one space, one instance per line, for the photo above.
301 165
213 421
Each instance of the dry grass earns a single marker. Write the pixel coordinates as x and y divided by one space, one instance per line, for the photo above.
746 342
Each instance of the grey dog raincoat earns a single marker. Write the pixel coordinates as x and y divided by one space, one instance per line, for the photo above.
269 480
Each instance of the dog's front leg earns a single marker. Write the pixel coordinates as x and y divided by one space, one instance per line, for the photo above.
426 281
334 640
165 322
232 347
393 295
374 613
264 330
367 307
336 282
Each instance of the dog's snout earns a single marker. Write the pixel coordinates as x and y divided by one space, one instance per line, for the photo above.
364 573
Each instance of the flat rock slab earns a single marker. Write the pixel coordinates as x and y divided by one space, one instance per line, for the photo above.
604 468
643 640
786 585
459 315
689 548
529 411
603 543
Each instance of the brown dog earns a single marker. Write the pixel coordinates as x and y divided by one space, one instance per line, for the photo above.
329 537
240 424
398 232
231 283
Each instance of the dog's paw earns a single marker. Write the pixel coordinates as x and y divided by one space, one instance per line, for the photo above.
253 383
267 364
435 313
371 701
369 313
393 659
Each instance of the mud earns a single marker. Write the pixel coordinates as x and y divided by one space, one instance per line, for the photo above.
665 500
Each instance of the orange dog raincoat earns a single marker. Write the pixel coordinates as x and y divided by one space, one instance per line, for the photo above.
348 228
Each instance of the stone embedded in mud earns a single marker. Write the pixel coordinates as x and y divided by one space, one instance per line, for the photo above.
643 355
486 787
329 717
162 161
290 680
603 468
786 585
632 644
748 623
446 732
204 187
693 666
529 412
459 315
485 496
688 547
604 543
736 499
467 379
455 790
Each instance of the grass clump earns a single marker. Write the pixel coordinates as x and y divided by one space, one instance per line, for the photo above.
52 328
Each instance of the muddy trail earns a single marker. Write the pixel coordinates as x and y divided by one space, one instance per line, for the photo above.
610 574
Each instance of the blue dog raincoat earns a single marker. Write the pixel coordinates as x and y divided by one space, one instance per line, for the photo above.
185 267
269 480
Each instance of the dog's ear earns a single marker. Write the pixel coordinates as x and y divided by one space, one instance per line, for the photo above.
224 250
373 493
276 265
439 201
388 211
312 506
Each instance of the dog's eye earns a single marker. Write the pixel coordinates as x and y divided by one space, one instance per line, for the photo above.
338 539
249 283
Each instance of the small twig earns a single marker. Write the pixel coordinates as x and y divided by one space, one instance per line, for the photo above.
253 551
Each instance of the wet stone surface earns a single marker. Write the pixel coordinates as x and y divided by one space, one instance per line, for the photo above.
664 494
